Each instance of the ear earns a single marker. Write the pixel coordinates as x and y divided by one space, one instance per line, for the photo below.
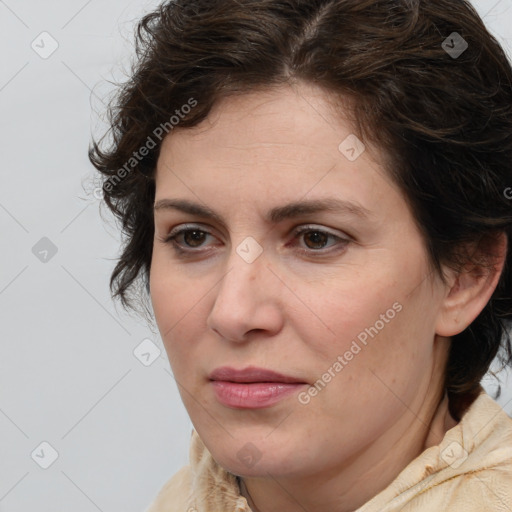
469 290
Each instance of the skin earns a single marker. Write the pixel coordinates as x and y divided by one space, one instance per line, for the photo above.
295 312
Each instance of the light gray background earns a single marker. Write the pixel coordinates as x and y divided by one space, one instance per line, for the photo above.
68 373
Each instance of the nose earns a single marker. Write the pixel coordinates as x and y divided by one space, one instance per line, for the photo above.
247 301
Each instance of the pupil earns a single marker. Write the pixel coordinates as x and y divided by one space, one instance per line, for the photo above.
195 236
316 237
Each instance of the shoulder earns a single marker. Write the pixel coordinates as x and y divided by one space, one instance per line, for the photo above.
483 490
175 495
474 463
470 469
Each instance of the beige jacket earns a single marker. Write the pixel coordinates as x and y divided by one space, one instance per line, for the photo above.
469 471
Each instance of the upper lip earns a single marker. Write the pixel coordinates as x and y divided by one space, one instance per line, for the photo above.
250 374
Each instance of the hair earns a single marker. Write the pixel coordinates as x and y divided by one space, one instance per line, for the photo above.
443 122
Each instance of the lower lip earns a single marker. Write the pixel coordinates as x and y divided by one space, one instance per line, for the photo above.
254 395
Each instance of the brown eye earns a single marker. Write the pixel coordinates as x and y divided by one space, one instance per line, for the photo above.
194 237
187 239
316 239
318 242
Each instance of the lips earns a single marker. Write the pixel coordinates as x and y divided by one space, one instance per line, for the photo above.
251 374
252 387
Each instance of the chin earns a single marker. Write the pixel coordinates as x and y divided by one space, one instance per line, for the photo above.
254 450
261 468
255 459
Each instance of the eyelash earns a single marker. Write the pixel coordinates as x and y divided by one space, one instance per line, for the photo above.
171 239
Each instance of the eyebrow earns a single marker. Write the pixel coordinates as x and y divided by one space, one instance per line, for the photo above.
275 215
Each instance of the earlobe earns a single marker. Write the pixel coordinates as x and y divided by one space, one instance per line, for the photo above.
469 290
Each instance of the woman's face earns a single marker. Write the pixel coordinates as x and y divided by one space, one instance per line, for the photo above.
335 294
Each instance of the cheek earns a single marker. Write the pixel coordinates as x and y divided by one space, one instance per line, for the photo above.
344 311
176 305
163 298
383 349
172 293
374 326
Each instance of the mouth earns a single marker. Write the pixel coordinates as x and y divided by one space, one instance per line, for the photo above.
252 387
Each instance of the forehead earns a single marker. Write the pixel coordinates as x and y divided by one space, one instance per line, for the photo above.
298 115
284 143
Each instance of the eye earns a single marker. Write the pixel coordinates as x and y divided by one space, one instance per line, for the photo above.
317 240
186 239
189 239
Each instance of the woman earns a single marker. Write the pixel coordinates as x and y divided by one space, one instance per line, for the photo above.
313 194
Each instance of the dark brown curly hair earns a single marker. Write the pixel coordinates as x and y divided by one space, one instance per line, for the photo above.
440 112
